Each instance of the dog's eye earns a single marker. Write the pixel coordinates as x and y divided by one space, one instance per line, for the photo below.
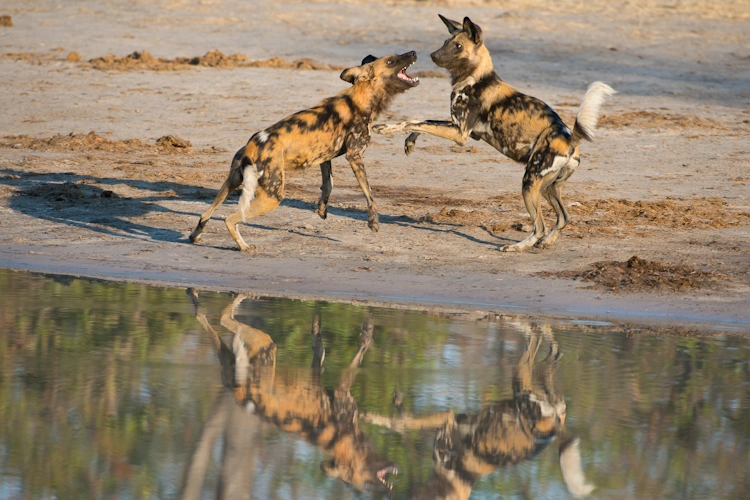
389 62
459 46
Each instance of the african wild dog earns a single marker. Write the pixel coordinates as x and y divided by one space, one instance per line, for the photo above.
468 446
521 127
296 401
340 125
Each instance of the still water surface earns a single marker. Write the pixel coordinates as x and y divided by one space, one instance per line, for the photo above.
112 390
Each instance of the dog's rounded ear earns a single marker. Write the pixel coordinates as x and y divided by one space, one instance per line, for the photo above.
357 73
368 59
473 31
453 26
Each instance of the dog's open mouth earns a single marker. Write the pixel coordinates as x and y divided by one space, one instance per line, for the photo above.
406 78
382 473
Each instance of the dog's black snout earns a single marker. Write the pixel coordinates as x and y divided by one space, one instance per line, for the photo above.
412 54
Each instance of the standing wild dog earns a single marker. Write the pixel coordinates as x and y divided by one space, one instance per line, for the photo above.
521 127
340 125
507 432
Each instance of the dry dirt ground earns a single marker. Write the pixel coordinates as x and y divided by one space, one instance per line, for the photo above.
119 120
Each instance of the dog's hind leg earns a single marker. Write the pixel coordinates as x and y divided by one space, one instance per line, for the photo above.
234 180
268 194
532 186
325 188
553 194
545 166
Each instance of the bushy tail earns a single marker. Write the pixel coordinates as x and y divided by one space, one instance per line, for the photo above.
572 470
588 115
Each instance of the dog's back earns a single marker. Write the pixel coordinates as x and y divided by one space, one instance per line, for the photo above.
313 135
507 119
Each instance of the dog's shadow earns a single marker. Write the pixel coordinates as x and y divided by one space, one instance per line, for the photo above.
398 220
84 202
448 228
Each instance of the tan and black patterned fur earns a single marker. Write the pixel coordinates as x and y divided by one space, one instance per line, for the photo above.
296 401
521 127
340 125
468 447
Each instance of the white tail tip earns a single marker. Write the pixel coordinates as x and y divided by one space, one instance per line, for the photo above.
588 115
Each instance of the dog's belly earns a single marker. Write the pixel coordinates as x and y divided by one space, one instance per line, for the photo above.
299 156
515 151
505 141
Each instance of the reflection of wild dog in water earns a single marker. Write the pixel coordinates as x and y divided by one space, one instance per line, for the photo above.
468 447
521 127
296 402
340 125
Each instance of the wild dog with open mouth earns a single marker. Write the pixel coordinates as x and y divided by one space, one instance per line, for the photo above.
340 125
521 127
297 401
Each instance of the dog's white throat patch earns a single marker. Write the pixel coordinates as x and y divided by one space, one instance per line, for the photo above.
468 82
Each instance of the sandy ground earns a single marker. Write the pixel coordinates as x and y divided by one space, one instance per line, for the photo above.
667 179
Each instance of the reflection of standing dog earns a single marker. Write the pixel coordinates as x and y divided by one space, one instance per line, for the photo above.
521 127
468 447
296 401
340 125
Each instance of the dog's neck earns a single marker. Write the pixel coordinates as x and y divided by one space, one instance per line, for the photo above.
373 102
469 74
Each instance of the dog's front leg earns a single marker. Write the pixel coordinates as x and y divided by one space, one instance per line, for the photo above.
446 130
325 188
358 166
391 128
356 143
410 142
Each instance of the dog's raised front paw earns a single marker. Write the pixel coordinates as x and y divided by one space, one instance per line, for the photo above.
388 128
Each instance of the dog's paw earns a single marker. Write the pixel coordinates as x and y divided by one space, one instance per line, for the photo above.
388 128
410 143
322 211
249 249
509 248
548 240
373 223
